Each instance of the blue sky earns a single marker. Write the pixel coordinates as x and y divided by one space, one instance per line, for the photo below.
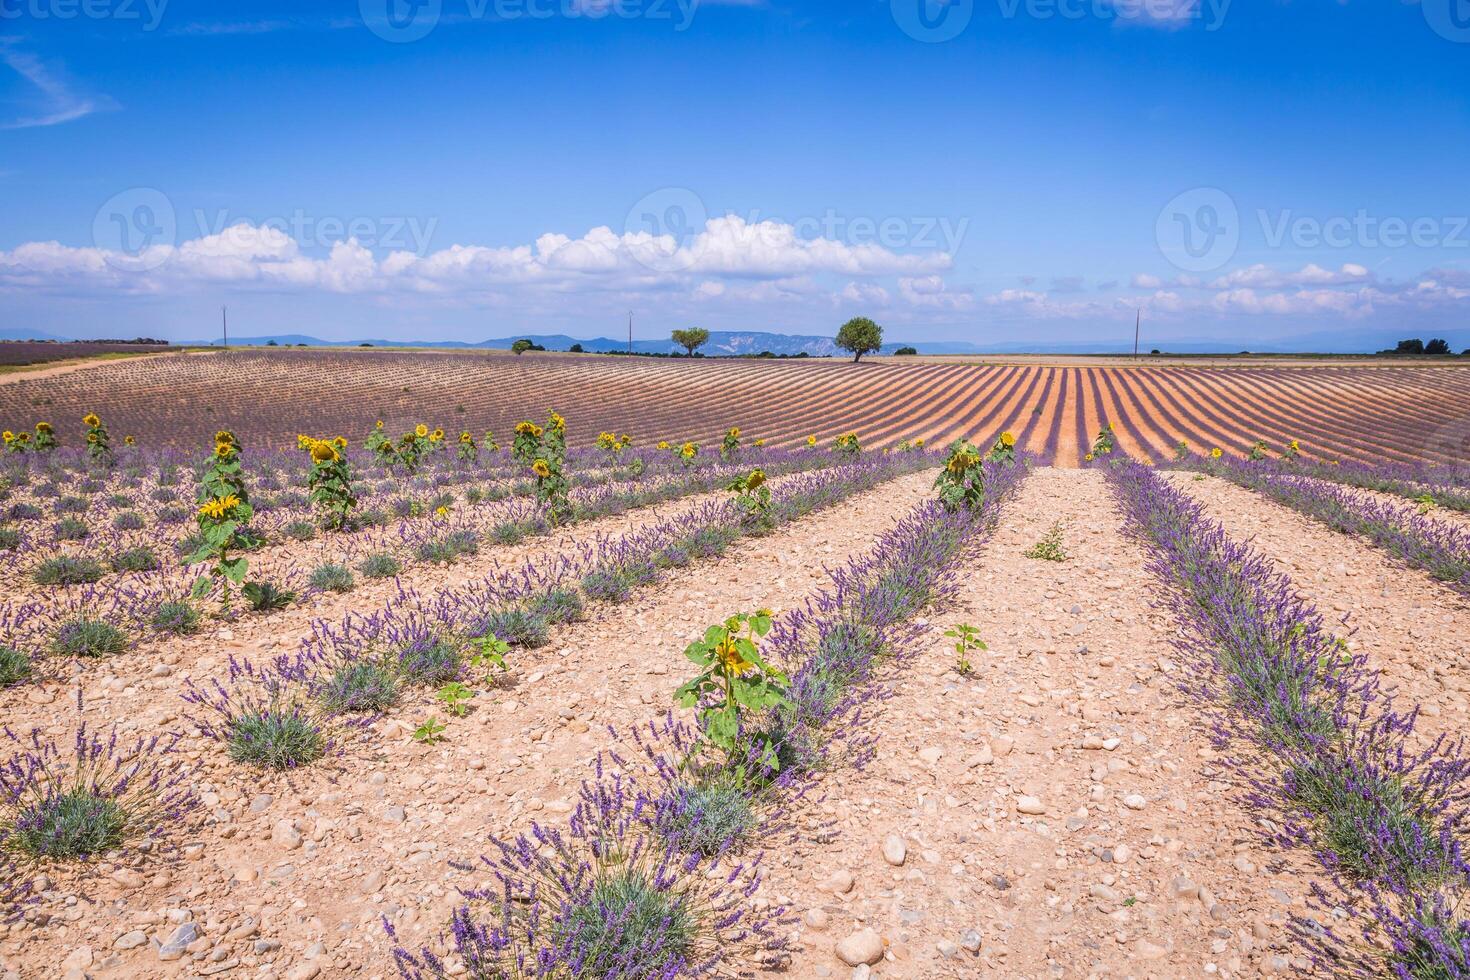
1243 172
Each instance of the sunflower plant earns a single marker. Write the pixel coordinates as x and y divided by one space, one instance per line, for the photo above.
527 442
468 451
730 445
224 510
962 481
1004 449
847 444
45 438
545 451
1258 451
330 480
753 495
99 447
1293 450
489 444
16 442
687 453
733 680
378 442
1104 444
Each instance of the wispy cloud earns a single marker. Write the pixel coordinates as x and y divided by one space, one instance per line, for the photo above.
59 102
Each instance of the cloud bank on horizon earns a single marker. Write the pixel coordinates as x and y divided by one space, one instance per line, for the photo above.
960 169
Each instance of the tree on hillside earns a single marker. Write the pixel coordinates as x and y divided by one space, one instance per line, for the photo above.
1437 346
860 336
521 346
691 339
1410 347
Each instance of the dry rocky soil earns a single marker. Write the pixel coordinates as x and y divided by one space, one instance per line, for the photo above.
1058 812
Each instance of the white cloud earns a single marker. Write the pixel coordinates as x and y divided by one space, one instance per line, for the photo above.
58 103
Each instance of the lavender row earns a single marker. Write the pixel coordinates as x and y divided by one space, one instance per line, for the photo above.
1318 747
1418 541
690 811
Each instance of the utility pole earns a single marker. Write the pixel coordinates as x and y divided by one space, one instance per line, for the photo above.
630 331
224 317
1137 323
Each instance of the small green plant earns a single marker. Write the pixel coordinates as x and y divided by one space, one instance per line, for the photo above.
735 679
430 730
299 530
1426 503
178 617
265 597
331 577
847 445
67 570
14 666
83 637
135 560
730 445
1049 548
455 697
487 655
967 640
381 564
1258 451
1104 444
1182 451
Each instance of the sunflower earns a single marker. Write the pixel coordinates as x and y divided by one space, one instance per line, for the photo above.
223 450
1296 446
557 422
919 443
441 511
1216 453
541 469
378 424
755 479
324 452
962 462
43 427
220 506
527 429
733 663
129 441
811 440
340 442
23 437
1088 457
734 433
663 444
421 430
688 450
92 437
225 436
304 441
437 435
8 436
625 439
91 420
1006 439
759 443
465 438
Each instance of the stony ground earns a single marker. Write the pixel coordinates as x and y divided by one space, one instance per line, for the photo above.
1056 813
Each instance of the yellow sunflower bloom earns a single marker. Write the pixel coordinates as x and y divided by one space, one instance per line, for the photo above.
918 443
735 432
437 435
421 430
441 511
8 436
759 443
557 422
23 437
525 428
223 450
755 479
465 437
1006 439
541 469
1216 453
378 424
1088 457
730 659
663 444
324 452
91 420
91 437
304 441
43 426
129 441
811 440
225 435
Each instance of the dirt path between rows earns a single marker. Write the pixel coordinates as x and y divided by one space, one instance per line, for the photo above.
295 872
1414 630
88 363
1060 808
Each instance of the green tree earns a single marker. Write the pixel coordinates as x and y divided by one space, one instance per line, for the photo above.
692 339
521 346
860 336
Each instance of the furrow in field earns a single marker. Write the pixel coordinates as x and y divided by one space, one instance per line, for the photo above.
1062 802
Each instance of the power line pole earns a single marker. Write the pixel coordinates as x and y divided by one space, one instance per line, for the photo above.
224 317
1137 323
630 331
